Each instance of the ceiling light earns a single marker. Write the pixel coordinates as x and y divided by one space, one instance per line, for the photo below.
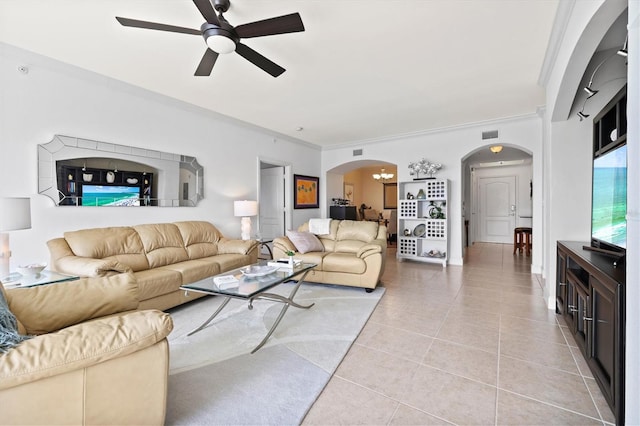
220 40
382 176
582 115
221 44
496 149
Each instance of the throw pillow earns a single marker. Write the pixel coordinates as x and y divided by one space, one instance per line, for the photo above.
305 241
9 335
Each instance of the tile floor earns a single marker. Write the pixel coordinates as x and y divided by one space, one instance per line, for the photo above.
463 345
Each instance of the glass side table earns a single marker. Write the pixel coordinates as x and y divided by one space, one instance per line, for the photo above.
15 279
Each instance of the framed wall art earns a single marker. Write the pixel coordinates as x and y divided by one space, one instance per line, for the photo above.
348 193
306 194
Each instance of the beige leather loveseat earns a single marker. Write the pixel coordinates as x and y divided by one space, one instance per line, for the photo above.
352 253
161 256
93 359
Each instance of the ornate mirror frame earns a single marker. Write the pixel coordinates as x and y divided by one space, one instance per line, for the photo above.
178 179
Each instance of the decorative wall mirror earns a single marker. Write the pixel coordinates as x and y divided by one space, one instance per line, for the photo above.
82 172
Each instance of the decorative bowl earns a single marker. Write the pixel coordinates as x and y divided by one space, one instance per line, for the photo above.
87 177
132 180
31 269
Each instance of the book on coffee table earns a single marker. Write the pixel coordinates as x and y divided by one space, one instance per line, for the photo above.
225 282
284 263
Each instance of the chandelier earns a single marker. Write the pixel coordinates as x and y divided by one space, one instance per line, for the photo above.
382 176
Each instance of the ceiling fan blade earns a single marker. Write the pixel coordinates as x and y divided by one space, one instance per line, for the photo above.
207 12
258 60
206 63
155 26
280 25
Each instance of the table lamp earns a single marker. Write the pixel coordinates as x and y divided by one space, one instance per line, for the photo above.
15 214
245 209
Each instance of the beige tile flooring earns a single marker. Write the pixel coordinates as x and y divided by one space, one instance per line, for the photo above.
463 345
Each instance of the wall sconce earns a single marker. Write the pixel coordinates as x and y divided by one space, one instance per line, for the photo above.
245 209
15 214
496 149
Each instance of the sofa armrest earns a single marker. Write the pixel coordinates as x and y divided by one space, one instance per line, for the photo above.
368 250
230 246
82 345
88 267
283 244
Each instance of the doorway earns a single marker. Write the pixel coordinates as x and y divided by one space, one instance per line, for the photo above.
272 213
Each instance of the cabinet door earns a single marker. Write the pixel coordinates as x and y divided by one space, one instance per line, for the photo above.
601 320
577 302
561 283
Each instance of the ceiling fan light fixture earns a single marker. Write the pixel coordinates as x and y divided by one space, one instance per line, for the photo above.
220 43
495 148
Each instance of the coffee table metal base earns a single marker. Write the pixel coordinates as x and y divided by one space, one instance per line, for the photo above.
286 301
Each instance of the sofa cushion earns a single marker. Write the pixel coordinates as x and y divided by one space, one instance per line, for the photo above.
162 243
228 262
200 238
305 241
362 231
343 262
121 244
46 308
156 282
195 270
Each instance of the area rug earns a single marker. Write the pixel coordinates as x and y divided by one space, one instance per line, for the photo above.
215 380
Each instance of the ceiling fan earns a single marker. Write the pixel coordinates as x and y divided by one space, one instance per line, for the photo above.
222 37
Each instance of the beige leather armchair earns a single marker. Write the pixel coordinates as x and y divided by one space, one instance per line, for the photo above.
353 253
91 360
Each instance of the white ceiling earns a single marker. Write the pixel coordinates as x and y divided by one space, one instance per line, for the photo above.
363 69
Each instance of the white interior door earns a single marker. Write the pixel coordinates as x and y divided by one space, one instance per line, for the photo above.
497 205
272 203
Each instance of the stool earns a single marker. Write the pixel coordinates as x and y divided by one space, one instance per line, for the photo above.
522 240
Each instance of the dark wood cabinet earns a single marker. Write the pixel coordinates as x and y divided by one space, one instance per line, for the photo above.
590 295
343 212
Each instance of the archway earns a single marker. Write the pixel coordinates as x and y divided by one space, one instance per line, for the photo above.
510 168
353 180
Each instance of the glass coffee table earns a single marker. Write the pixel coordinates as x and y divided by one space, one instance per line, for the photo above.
45 277
251 283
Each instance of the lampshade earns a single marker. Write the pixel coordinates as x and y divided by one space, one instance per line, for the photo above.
496 149
245 208
15 213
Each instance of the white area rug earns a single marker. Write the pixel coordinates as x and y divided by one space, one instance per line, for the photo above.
214 379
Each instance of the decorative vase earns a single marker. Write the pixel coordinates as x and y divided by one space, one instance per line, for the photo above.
291 260
421 195
111 177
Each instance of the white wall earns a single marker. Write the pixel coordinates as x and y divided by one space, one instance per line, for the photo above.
55 98
448 147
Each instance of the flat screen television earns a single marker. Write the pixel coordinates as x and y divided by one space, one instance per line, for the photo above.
110 195
609 200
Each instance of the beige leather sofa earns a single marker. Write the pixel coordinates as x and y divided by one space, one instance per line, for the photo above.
354 253
93 359
161 256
